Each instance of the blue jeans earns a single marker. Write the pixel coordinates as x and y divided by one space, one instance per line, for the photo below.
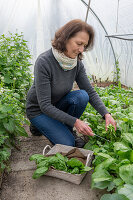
74 103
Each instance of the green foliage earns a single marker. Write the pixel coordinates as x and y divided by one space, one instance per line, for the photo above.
4 152
127 190
126 173
117 73
59 162
75 170
11 115
111 134
101 179
114 197
14 64
113 160
73 162
39 172
11 123
37 158
15 80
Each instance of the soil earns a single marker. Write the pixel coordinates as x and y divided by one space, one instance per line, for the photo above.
19 185
101 84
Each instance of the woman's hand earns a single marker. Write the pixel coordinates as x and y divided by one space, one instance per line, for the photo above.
109 120
83 128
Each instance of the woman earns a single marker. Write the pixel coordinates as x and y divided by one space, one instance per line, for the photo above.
51 105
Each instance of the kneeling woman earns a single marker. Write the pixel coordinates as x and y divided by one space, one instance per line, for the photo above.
51 105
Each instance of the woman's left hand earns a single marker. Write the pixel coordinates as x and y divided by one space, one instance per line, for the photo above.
109 120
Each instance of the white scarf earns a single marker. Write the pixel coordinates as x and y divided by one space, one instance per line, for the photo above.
65 62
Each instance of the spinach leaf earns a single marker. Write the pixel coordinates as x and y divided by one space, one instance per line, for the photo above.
37 158
128 137
105 164
121 146
85 169
127 190
73 162
53 160
118 181
60 166
114 197
75 170
101 179
123 162
43 163
57 163
126 173
39 172
60 156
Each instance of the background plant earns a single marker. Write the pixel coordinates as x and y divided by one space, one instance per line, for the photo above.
117 72
4 152
15 81
14 64
11 123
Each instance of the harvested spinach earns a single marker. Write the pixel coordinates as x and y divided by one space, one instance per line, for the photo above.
59 162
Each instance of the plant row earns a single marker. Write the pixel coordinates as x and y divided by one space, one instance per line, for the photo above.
113 163
15 80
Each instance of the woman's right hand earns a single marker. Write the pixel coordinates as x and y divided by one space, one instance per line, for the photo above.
83 128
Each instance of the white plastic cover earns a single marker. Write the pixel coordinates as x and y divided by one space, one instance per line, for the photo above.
39 19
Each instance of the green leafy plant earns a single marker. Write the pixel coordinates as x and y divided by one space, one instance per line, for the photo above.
4 152
15 80
127 190
14 64
11 115
111 134
11 124
113 160
117 73
114 197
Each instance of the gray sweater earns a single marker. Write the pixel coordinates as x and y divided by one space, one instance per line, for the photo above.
51 83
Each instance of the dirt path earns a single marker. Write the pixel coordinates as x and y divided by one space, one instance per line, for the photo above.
19 185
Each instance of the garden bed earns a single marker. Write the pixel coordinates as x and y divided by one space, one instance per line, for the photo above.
15 80
112 159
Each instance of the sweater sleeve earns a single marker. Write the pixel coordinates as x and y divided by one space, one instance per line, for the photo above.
84 83
43 91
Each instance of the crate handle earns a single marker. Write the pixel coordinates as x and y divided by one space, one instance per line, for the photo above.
47 147
88 157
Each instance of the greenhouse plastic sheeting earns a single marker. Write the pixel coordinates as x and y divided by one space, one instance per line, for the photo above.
39 19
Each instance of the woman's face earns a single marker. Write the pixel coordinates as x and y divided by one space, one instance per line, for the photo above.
76 44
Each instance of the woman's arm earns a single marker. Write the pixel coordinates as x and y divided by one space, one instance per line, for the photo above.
84 83
94 99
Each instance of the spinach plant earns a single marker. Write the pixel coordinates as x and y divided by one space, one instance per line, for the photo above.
113 163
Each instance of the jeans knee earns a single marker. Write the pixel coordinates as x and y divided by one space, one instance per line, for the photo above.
82 97
70 143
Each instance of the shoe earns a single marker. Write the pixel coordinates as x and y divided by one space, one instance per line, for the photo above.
34 130
79 142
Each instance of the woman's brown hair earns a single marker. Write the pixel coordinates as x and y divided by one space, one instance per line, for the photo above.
68 31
